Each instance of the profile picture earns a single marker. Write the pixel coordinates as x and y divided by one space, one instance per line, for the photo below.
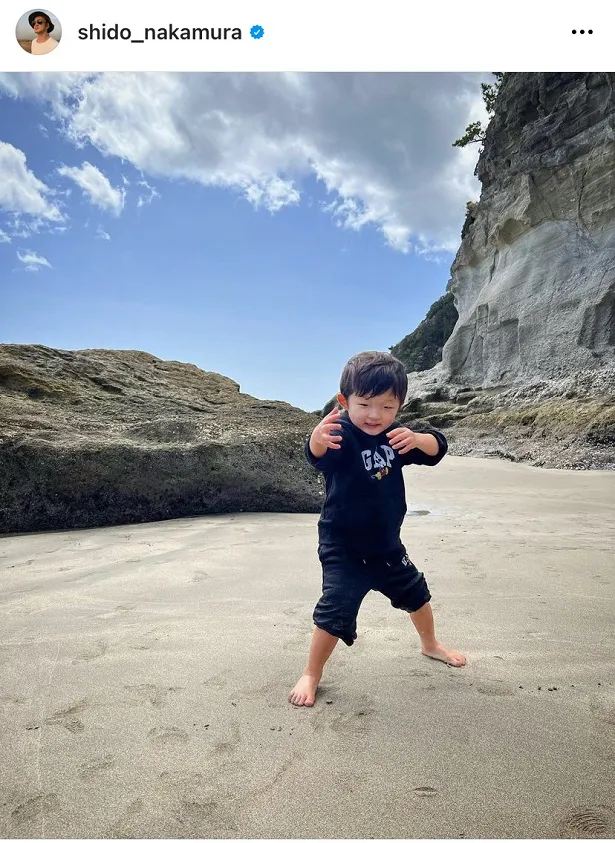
38 32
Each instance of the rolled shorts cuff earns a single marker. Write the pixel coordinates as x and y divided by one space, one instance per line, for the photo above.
416 597
346 637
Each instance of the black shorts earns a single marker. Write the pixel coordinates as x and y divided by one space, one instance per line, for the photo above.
348 577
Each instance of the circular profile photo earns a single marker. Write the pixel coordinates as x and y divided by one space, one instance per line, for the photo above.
38 32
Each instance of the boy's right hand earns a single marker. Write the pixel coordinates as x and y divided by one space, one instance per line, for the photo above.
324 433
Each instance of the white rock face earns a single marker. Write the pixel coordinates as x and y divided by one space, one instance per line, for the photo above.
534 278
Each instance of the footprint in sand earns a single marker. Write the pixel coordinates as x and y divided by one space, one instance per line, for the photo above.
35 808
204 818
605 714
472 571
228 746
68 718
163 735
156 695
609 717
495 690
95 651
124 828
591 821
353 722
183 781
95 766
217 681
135 807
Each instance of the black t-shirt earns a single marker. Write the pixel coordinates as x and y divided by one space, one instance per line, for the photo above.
365 498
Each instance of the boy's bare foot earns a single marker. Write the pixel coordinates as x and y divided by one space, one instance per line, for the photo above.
444 654
304 692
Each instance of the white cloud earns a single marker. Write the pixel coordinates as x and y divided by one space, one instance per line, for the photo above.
273 194
96 186
32 261
21 192
146 198
380 144
4 237
55 88
19 226
101 234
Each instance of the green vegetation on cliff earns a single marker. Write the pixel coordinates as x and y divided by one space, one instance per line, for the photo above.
475 132
422 349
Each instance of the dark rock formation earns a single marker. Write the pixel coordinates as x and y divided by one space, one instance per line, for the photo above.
97 437
422 349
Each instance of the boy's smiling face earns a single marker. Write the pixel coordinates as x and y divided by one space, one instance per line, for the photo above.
371 415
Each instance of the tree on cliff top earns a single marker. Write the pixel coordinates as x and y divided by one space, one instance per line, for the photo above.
475 132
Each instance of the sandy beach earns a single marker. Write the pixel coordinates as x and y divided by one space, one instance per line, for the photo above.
145 673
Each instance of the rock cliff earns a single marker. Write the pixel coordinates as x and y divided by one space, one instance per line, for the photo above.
534 278
97 437
529 369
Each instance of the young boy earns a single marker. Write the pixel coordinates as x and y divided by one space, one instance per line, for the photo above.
361 453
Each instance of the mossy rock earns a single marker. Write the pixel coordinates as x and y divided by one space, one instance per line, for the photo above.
589 418
602 430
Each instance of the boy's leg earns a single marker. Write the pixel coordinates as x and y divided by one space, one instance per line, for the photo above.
423 623
323 644
406 588
344 585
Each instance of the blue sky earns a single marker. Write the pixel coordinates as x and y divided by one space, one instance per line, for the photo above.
266 228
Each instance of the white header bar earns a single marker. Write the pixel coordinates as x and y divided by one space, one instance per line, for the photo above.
321 35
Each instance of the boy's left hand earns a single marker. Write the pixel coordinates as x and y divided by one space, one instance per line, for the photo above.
403 439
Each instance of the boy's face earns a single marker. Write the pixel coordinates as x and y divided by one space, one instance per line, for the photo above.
371 415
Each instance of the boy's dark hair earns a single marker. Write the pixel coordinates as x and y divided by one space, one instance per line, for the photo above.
371 373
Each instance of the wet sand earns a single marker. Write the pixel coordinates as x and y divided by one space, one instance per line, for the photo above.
145 673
